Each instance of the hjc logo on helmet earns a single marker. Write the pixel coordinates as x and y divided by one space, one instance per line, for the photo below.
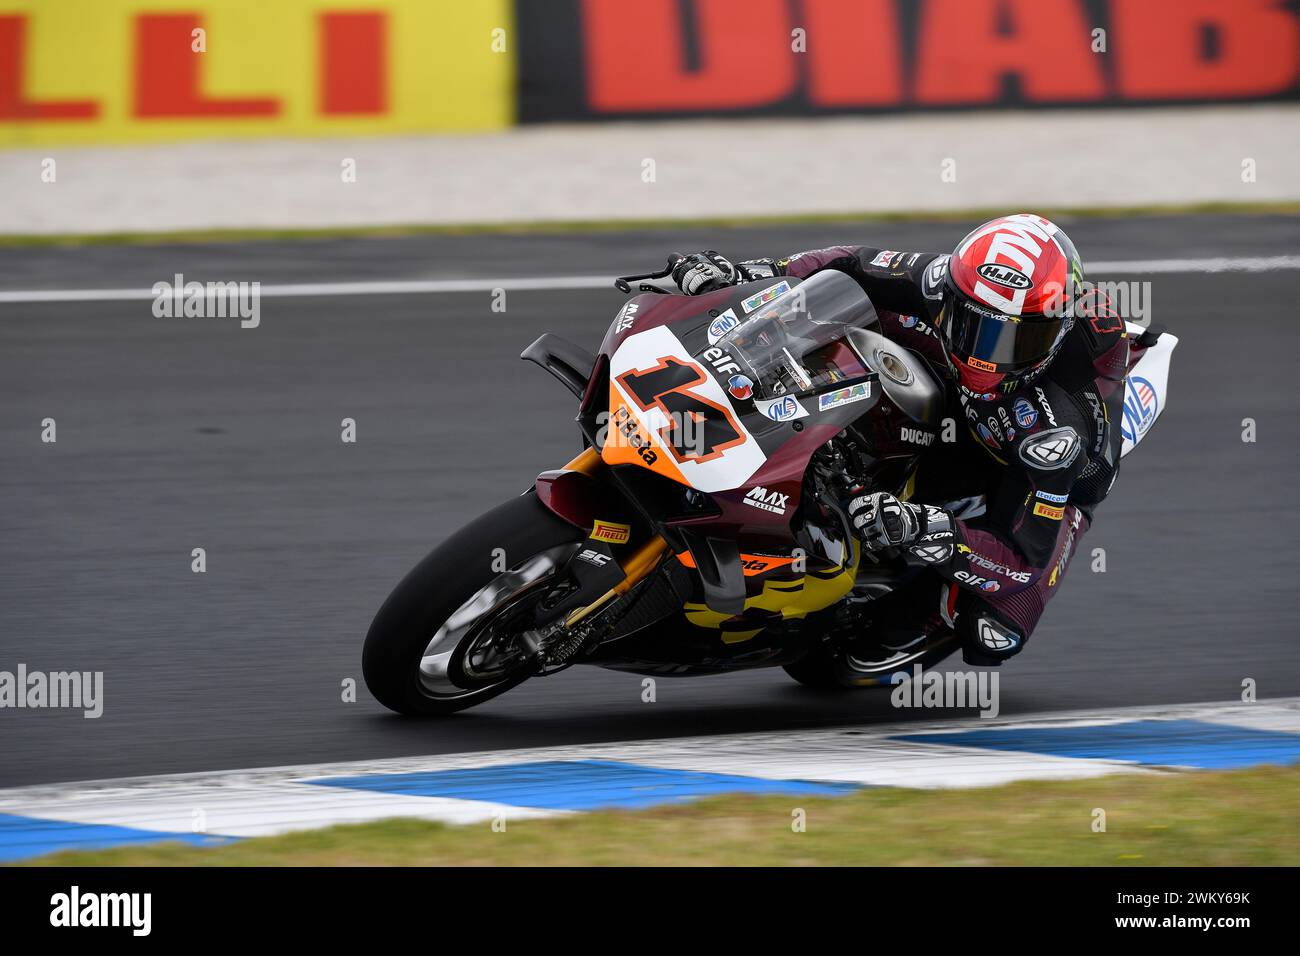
1007 276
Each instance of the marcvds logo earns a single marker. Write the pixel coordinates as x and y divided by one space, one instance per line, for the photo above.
772 501
103 909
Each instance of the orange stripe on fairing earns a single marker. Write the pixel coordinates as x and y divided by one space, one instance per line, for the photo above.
750 563
619 450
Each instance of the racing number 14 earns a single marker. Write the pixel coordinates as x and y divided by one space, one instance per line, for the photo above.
698 430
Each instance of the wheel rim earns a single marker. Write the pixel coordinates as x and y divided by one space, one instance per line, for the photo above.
474 620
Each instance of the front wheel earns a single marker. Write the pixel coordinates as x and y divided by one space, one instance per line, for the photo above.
447 637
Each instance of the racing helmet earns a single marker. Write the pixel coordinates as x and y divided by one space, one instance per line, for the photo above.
1008 301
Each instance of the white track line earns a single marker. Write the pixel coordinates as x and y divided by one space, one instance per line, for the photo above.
565 283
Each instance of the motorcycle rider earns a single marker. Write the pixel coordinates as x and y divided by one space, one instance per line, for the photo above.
1035 365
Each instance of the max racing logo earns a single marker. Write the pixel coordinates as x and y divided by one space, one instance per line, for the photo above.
773 501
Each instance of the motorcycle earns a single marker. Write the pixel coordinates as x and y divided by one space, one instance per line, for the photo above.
701 529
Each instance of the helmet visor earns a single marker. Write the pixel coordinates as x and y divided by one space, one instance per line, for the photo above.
997 342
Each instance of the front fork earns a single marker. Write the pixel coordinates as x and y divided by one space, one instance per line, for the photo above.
600 589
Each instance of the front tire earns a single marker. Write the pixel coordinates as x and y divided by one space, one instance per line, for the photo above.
397 664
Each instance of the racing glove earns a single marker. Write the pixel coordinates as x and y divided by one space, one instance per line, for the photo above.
702 272
882 521
923 532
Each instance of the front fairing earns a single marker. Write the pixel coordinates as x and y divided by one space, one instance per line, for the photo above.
687 405
728 491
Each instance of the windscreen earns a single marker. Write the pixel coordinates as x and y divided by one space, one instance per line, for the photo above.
798 341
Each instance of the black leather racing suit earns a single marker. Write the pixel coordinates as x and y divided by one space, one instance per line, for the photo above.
1044 454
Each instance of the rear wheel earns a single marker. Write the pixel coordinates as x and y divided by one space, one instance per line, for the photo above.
448 637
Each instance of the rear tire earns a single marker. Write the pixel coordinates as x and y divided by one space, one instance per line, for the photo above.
448 577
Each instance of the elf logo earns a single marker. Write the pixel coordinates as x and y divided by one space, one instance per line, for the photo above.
722 363
773 501
1008 276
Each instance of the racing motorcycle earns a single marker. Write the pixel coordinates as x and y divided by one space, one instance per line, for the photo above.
701 528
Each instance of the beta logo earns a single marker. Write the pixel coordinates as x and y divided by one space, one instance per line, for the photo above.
626 424
1141 405
773 501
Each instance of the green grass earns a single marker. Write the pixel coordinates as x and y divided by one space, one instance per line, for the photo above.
623 225
1236 818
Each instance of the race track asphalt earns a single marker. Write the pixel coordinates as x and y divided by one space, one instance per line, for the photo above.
175 434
